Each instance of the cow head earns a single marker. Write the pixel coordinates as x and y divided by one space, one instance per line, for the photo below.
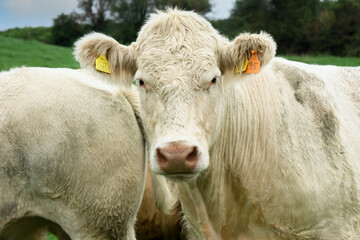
181 65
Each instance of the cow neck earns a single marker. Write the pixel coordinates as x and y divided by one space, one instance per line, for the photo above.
246 146
241 157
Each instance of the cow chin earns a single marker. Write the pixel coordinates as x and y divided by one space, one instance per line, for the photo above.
181 177
179 161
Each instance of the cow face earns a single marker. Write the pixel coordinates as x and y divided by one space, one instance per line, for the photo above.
180 95
180 64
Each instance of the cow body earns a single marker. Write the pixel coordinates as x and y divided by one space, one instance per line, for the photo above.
270 155
72 155
285 164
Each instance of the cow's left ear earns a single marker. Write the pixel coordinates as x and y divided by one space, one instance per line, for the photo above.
104 57
235 53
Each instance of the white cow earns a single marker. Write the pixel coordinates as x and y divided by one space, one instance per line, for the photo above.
71 155
269 155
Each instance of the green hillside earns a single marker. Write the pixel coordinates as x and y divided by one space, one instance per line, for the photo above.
17 53
326 60
41 34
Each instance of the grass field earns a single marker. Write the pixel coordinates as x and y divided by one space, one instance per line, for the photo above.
51 237
326 60
17 53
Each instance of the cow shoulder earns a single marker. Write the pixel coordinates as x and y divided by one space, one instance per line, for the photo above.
312 93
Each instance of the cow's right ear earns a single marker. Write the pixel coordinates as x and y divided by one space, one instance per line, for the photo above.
234 54
120 58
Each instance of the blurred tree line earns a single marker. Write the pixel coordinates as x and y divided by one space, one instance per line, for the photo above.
121 19
298 26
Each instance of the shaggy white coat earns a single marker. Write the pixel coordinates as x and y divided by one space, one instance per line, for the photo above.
72 152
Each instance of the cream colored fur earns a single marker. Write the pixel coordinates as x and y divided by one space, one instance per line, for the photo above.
279 150
164 199
72 152
153 224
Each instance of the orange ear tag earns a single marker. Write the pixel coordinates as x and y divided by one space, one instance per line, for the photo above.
254 63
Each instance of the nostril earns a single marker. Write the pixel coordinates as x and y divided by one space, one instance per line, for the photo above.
193 156
177 158
160 157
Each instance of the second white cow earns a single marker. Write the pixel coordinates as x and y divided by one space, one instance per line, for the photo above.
268 155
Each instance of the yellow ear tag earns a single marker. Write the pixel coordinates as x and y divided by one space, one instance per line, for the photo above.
102 64
246 62
254 63
237 70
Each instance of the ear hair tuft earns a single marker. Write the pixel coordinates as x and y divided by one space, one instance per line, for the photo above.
121 58
235 52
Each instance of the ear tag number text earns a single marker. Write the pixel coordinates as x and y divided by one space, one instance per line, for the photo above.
254 63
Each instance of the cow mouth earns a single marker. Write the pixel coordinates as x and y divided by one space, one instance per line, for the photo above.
181 176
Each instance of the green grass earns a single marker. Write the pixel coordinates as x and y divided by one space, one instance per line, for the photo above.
326 60
17 53
51 237
41 34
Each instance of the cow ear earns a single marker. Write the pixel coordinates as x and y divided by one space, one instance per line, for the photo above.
235 53
119 58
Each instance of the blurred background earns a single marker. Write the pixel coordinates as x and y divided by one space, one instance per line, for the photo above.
314 31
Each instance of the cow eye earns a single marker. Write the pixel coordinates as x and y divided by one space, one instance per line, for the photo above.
141 83
213 82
